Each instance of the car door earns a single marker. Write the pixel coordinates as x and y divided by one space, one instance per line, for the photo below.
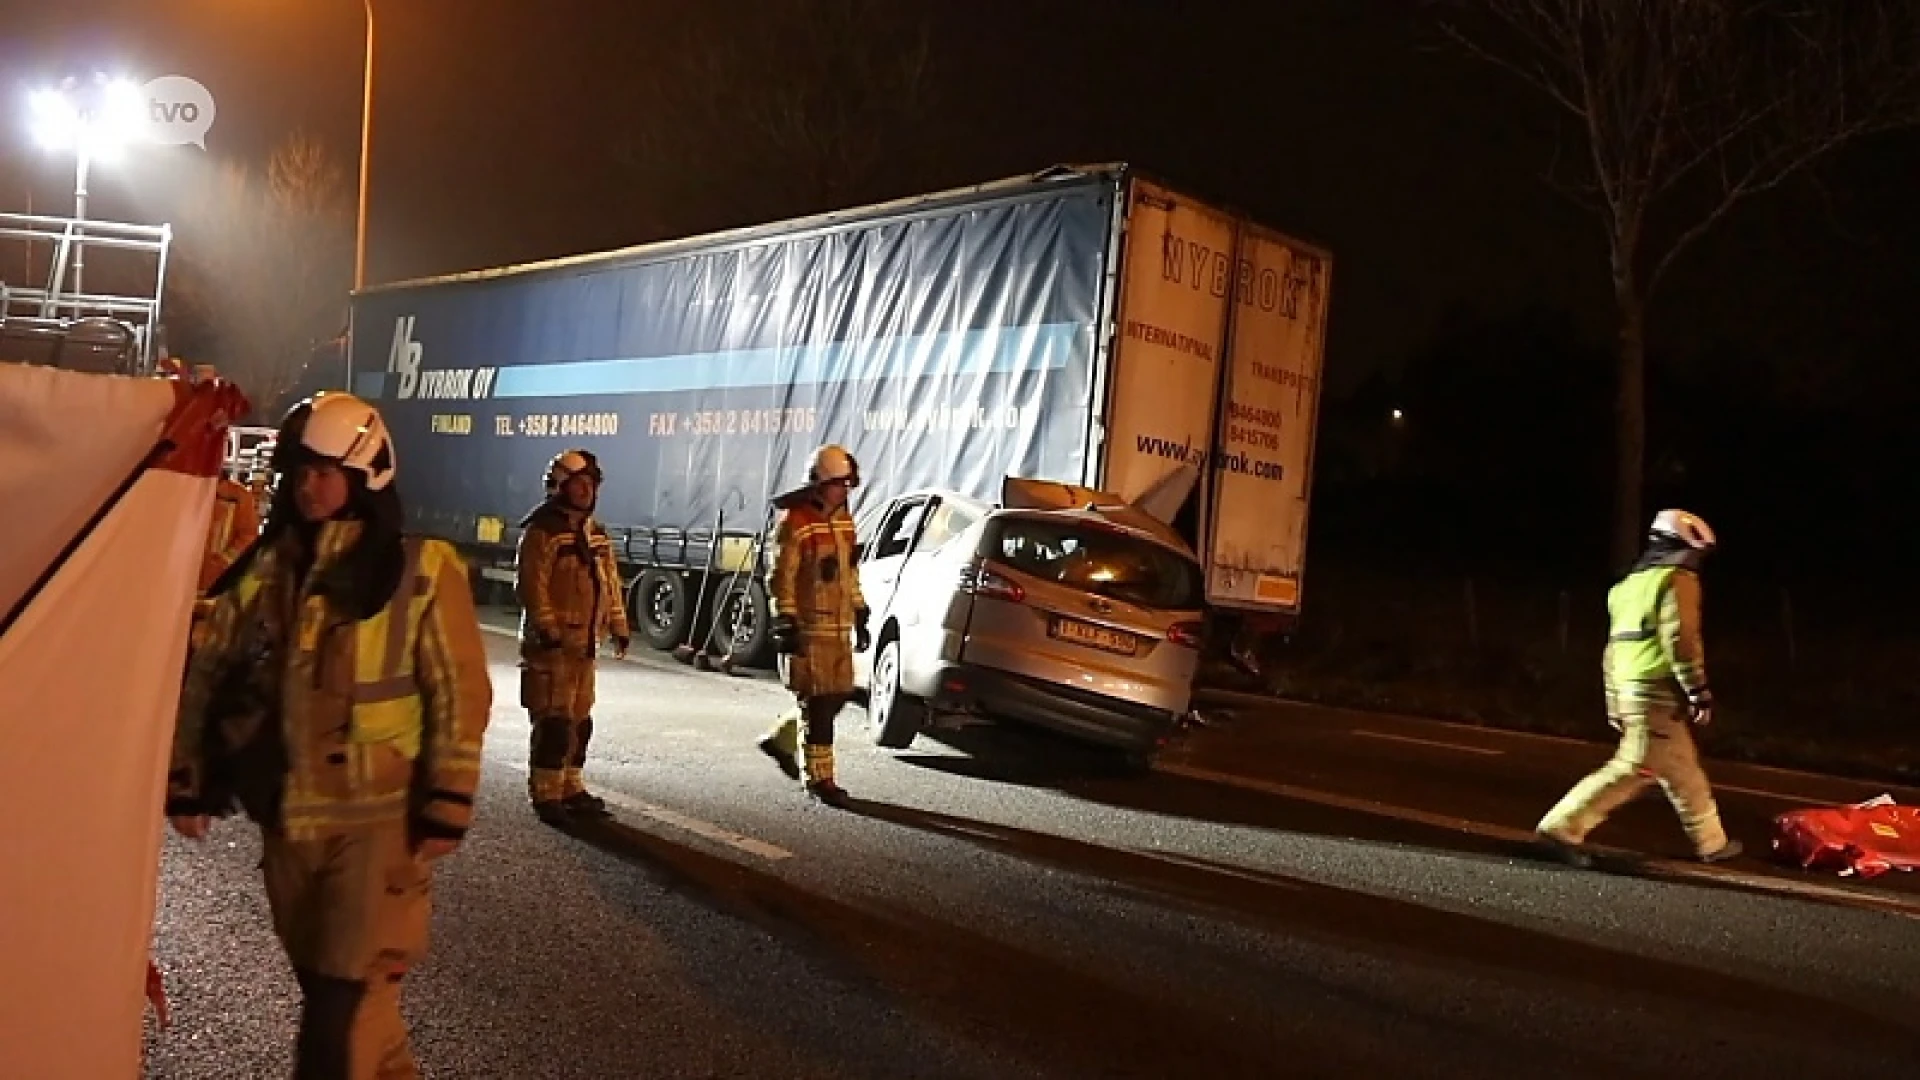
883 555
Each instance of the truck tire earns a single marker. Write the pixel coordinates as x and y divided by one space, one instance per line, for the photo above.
661 608
896 716
743 624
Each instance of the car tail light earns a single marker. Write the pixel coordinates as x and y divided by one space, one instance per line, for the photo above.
981 581
1185 633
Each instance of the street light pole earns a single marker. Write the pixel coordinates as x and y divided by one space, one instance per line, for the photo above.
366 146
82 162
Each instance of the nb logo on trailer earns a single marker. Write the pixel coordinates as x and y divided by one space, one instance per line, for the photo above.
403 358
451 384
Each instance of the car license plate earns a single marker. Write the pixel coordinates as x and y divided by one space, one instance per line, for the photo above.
1097 637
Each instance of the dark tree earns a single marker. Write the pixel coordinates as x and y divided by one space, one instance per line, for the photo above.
1680 111
787 107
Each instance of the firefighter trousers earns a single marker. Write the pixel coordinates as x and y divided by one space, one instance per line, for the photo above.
352 911
1655 747
558 753
811 721
558 693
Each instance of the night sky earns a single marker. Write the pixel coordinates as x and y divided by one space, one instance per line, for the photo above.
501 125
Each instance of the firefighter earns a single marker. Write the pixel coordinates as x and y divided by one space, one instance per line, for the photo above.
569 588
815 593
341 698
234 526
235 523
1655 672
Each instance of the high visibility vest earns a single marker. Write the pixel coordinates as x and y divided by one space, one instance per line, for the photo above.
1643 616
387 714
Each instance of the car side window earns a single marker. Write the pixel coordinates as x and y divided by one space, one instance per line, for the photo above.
896 531
947 522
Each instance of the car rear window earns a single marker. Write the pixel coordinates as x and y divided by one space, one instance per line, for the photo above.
1102 561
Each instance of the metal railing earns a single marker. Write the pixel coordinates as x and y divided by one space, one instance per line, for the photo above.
50 319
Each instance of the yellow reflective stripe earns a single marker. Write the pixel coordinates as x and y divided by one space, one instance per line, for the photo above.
309 818
1633 620
402 602
248 586
387 707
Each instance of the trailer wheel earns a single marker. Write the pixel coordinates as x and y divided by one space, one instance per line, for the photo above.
661 608
743 624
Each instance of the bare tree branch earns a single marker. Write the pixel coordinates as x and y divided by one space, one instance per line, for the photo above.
266 263
1689 109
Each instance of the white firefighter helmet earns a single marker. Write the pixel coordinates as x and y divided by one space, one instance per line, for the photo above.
349 432
1689 529
570 463
832 462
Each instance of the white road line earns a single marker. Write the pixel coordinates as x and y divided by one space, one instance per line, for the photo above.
1427 742
704 829
699 828
1669 868
1781 796
1348 802
1195 863
1905 793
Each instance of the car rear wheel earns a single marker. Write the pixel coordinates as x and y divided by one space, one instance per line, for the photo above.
896 715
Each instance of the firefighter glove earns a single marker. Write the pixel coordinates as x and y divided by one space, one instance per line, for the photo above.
1700 707
862 637
786 635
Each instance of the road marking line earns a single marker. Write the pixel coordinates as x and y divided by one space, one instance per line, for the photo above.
1808 799
1666 868
704 829
700 828
1193 862
1348 802
1427 742
1905 793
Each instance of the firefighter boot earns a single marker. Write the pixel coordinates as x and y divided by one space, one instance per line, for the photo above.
1729 850
820 783
783 743
573 790
1559 846
579 801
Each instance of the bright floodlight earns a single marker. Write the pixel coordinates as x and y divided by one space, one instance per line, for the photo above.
99 119
122 117
56 122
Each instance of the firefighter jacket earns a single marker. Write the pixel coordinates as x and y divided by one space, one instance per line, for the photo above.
378 719
568 583
815 583
235 524
814 579
1654 654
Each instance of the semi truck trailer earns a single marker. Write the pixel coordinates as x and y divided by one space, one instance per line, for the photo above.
1090 325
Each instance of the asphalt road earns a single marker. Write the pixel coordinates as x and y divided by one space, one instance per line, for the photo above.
1295 892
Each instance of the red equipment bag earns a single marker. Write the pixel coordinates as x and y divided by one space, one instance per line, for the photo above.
1866 838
